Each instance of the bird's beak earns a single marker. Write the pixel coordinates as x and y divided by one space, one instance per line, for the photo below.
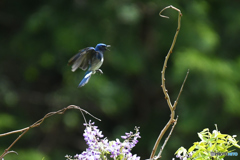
107 47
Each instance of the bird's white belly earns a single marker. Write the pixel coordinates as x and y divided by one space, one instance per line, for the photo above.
97 66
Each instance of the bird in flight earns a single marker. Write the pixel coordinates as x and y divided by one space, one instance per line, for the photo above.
89 58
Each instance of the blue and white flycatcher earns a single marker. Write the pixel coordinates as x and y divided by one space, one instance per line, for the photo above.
89 58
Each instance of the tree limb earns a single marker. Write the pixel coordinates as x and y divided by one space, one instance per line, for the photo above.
167 97
39 122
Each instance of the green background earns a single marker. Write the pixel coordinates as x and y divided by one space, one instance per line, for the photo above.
37 38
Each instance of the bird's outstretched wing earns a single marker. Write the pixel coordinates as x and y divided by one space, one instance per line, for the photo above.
82 58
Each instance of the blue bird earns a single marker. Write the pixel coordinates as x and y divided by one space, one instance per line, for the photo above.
89 58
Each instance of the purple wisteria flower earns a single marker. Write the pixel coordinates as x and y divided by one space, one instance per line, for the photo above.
101 148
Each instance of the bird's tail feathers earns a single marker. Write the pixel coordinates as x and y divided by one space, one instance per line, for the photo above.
86 78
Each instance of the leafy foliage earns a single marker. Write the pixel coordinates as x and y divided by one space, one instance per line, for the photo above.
209 147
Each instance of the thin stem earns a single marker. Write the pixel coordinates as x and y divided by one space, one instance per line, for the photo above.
10 152
179 94
39 122
166 140
161 135
171 120
7 150
169 53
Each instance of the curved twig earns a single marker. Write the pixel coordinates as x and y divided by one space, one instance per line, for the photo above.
39 122
167 97
169 53
9 152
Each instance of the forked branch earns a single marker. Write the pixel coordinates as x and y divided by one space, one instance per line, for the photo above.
39 122
172 108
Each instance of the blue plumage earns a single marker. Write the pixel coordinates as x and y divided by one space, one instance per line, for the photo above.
85 78
91 58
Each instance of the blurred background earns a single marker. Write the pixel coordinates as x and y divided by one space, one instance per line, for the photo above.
37 38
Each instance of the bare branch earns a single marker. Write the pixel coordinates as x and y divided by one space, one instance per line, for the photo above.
171 120
166 140
10 152
161 134
179 94
169 53
39 122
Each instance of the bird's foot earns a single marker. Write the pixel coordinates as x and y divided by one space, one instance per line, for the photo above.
99 70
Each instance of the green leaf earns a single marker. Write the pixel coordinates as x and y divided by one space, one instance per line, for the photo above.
215 133
219 148
220 141
211 148
205 130
201 136
222 135
202 145
236 145
192 148
181 150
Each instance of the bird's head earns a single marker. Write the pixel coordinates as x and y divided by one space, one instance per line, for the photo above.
102 47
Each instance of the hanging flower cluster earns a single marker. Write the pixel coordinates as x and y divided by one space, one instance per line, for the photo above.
101 148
